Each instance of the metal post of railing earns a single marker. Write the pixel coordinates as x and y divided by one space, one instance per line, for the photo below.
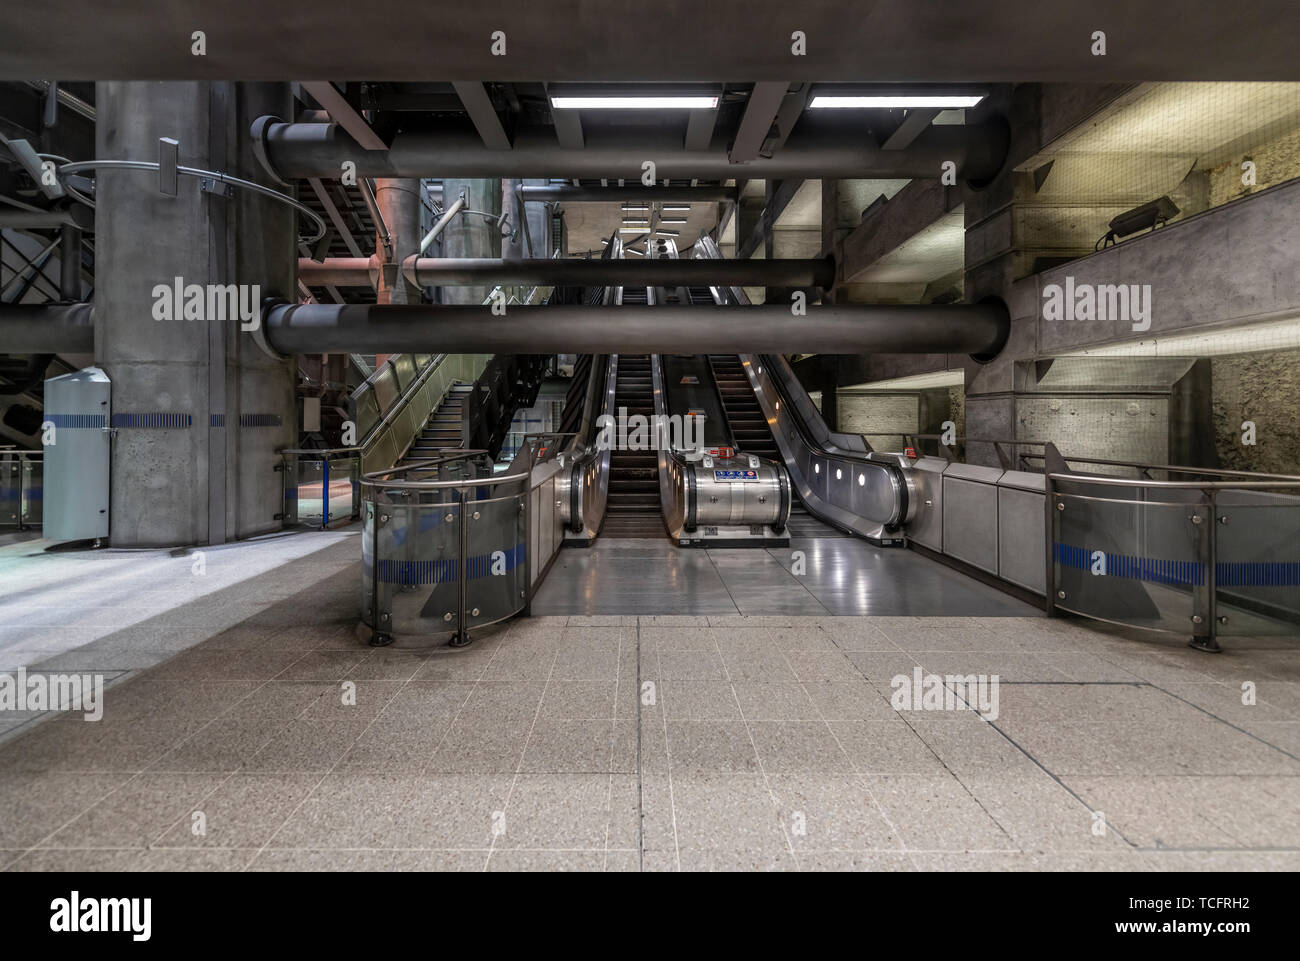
325 491
1049 540
461 638
527 507
1204 606
378 636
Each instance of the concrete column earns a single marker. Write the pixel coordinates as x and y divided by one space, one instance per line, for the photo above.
200 409
471 235
538 218
539 225
399 205
512 244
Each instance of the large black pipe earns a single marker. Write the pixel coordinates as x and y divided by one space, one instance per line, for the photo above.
815 148
977 329
656 272
46 329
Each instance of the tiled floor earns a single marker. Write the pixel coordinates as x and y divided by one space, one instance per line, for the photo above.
813 576
276 740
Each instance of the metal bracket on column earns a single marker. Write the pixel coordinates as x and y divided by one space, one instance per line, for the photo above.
168 165
216 188
322 248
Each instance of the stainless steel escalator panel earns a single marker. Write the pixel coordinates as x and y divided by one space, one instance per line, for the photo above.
867 497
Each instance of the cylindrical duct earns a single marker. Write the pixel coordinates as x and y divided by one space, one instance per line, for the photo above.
814 149
452 272
979 329
46 329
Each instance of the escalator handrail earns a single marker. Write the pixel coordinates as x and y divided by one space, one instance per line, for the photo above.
798 407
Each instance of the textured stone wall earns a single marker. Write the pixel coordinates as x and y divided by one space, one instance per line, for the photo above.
1264 388
1275 161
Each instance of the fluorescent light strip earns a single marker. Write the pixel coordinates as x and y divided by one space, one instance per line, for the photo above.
666 233
667 220
822 102
635 207
635 103
632 230
676 208
636 223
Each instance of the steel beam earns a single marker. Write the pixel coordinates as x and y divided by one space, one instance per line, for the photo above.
757 239
479 107
764 102
336 218
815 149
74 216
342 113
568 128
979 329
451 272
911 127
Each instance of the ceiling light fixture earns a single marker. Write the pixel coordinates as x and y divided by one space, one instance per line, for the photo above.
677 208
668 220
667 233
893 101
633 102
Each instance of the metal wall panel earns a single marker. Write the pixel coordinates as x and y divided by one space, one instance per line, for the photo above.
970 515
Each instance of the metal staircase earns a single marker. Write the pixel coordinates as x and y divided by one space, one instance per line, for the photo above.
444 428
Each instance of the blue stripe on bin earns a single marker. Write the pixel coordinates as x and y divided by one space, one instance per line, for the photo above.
77 421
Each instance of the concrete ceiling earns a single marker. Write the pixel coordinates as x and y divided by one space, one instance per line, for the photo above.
1146 143
871 40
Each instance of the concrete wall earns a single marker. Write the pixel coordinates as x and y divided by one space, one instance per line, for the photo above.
1230 266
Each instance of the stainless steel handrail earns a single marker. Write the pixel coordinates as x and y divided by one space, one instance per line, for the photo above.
1284 481
379 479
1103 462
387 417
587 489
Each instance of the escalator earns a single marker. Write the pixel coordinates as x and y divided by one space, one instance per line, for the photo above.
751 434
632 508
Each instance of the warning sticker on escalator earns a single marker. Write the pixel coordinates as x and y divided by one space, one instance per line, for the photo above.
735 475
